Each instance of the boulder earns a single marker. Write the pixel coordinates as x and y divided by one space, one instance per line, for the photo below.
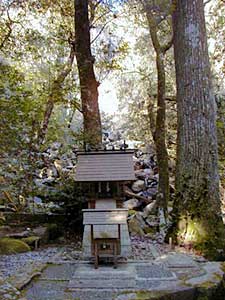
149 208
172 165
48 181
131 203
152 191
140 174
138 185
156 176
58 165
12 246
32 241
37 200
134 227
63 164
4 230
152 221
41 232
140 218
137 224
151 231
148 172
52 172
56 145
131 214
19 235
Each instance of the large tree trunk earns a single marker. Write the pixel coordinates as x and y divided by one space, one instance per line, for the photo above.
88 82
197 205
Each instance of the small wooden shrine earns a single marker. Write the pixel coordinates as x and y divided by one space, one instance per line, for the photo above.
103 174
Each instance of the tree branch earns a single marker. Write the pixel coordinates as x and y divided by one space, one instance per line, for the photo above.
206 2
128 192
54 94
167 46
9 24
171 98
101 30
99 18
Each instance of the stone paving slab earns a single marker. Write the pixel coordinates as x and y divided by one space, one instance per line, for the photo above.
177 260
47 290
150 282
154 272
213 272
126 276
88 270
154 251
90 294
58 272
102 284
179 294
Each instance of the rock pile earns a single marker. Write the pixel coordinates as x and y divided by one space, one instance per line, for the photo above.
143 217
53 167
141 195
53 164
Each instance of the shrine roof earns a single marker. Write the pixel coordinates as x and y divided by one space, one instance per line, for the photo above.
95 166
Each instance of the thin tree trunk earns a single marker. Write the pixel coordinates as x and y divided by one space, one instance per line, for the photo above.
198 219
151 114
88 82
54 95
160 135
160 128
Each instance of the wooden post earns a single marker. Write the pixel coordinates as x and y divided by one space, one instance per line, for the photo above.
171 243
92 238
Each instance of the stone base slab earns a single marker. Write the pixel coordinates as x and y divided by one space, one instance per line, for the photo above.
104 277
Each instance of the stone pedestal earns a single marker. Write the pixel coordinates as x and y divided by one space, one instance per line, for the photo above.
106 213
110 231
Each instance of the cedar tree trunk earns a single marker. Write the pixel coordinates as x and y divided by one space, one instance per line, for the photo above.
88 82
197 205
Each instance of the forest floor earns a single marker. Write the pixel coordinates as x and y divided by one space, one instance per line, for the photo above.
59 273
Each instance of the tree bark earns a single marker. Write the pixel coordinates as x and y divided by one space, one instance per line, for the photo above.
88 82
54 95
198 216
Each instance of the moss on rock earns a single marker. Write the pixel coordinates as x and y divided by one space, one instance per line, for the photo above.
131 212
32 241
12 246
159 295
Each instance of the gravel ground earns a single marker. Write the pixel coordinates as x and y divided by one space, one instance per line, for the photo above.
145 248
142 249
10 264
